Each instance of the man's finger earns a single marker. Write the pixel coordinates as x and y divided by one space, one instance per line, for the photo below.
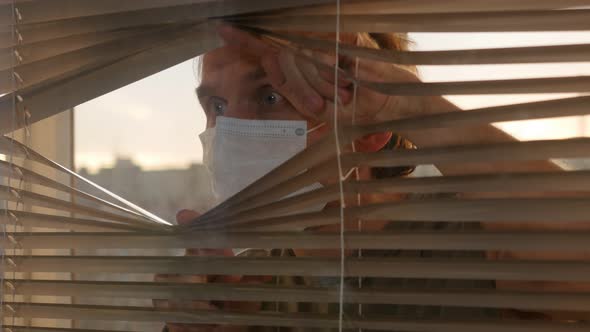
329 76
184 217
310 72
324 87
288 80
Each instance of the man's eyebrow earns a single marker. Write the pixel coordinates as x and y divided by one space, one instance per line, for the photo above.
204 91
255 75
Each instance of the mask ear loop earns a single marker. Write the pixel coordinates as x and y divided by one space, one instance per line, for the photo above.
316 127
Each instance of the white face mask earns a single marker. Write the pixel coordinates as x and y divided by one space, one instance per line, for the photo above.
238 152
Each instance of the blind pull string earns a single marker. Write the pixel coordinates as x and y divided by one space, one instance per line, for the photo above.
340 170
356 171
25 117
9 260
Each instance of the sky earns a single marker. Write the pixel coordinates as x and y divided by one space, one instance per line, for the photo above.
156 121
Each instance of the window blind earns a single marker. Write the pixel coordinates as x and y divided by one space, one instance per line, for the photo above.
56 54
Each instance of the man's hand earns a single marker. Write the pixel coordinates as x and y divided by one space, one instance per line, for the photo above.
184 217
310 87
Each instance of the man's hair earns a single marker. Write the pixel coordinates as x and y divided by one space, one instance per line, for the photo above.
386 41
390 41
396 42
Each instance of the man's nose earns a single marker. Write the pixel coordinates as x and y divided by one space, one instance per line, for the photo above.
242 109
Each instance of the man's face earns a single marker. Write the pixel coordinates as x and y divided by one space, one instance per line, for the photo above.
234 84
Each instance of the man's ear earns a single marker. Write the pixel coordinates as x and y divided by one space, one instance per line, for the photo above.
373 142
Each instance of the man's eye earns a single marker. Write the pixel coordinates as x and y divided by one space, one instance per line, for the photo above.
216 106
271 98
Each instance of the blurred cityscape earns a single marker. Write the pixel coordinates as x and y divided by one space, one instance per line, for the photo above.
162 192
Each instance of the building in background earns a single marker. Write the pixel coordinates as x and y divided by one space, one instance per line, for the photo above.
162 192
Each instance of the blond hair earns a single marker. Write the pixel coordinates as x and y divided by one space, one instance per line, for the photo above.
386 41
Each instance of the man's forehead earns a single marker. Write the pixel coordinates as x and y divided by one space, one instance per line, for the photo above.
225 66
223 57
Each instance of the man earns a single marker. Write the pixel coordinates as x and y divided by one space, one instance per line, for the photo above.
250 79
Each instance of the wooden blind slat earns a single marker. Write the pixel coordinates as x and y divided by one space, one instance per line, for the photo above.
309 266
567 20
18 328
88 312
515 86
18 195
41 73
401 240
27 176
427 210
86 86
32 52
56 10
435 6
479 298
260 207
29 219
46 29
531 54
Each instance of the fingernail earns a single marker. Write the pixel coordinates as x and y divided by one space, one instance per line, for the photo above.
184 217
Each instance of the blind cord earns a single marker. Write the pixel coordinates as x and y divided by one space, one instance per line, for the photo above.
340 171
10 162
356 172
